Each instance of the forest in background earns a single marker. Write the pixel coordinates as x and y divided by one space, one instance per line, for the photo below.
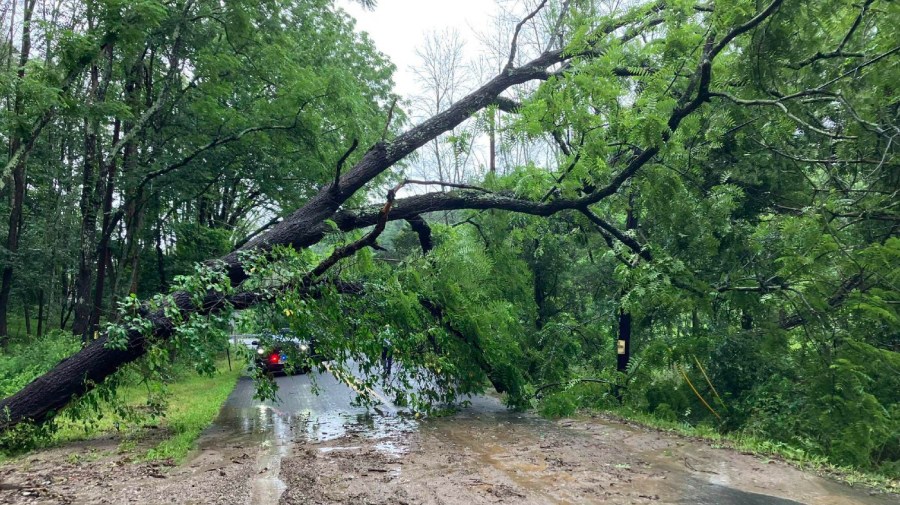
689 209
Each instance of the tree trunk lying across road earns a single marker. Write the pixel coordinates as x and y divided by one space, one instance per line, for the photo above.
306 226
75 375
44 396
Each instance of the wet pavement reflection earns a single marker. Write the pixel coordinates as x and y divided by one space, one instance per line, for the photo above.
300 414
481 431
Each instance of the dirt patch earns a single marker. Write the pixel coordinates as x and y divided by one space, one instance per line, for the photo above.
512 458
96 472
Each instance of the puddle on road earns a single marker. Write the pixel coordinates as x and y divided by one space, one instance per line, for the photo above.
276 430
300 415
373 426
338 449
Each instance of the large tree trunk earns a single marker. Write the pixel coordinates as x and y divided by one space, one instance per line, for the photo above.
91 199
306 226
12 244
84 274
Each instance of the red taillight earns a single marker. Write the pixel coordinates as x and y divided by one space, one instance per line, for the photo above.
274 359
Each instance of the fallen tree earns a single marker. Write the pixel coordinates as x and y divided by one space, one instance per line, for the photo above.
42 398
308 225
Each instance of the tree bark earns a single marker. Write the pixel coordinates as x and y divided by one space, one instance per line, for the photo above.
623 354
623 346
134 222
89 207
420 226
103 251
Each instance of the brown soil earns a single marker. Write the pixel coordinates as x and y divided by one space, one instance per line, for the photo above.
468 460
96 472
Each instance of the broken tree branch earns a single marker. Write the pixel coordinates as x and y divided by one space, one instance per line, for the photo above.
336 186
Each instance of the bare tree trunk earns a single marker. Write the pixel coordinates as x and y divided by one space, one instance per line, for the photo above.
623 345
134 248
40 321
103 251
132 198
89 207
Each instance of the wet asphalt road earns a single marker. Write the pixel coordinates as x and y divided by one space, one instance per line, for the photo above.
302 414
314 407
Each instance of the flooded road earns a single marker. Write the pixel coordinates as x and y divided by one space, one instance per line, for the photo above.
323 449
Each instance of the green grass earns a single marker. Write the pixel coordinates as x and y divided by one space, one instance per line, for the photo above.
193 401
762 448
15 325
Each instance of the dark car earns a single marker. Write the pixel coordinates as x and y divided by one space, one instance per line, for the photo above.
282 355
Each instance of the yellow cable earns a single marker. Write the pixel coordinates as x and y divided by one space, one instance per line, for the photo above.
709 381
697 392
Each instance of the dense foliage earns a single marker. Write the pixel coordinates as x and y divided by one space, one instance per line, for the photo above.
743 245
189 125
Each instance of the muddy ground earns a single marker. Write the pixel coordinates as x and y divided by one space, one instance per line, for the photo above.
322 449
463 460
488 459
99 472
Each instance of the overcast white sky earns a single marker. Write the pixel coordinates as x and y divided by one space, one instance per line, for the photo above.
399 26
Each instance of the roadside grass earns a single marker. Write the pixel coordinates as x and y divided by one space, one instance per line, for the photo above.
758 447
192 403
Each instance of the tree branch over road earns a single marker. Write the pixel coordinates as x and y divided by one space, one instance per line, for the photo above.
308 225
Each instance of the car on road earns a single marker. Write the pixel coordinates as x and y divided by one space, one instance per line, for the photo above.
282 354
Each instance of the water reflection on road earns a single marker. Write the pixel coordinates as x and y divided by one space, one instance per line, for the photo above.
300 413
482 432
